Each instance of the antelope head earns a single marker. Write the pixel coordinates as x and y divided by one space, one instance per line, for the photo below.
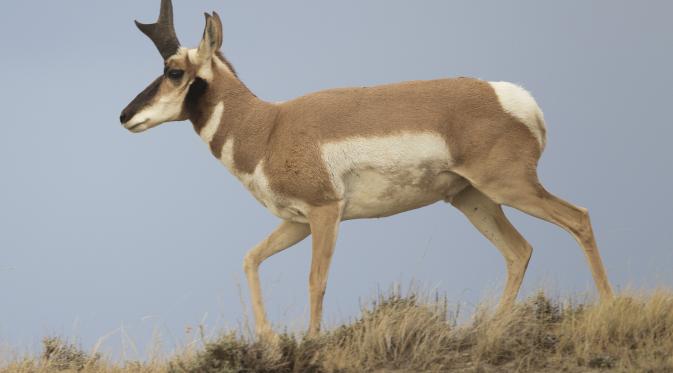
186 72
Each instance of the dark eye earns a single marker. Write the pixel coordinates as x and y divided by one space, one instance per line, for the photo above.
175 74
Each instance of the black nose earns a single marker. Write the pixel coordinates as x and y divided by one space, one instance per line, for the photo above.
124 117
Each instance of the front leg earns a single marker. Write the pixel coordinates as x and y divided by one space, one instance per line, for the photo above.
286 235
324 222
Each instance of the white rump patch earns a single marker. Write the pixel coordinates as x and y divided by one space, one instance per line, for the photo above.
517 102
208 131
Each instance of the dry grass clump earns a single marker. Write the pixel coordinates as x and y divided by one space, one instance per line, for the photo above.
629 333
406 334
59 356
233 353
66 356
395 333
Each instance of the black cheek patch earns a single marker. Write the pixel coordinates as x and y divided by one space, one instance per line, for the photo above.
196 91
143 99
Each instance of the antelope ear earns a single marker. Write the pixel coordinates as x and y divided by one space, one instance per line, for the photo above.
212 37
218 25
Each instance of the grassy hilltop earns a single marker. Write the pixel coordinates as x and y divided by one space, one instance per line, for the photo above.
632 333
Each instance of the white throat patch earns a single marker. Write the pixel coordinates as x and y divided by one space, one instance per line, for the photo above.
208 131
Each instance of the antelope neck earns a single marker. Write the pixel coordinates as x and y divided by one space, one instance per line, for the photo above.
225 109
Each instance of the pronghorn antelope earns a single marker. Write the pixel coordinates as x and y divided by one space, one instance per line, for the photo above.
354 153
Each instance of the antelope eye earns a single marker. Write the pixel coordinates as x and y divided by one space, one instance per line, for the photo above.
175 74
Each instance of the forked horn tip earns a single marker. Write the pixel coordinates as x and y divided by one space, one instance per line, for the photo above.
146 28
162 32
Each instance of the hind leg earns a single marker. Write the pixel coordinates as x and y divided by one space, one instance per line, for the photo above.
488 217
523 191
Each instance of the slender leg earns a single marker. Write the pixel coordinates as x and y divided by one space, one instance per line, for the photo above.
324 222
488 217
528 195
286 235
576 221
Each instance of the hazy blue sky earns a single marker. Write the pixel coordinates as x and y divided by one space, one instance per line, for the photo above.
100 228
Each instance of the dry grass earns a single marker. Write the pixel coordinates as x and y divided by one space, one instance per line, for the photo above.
404 334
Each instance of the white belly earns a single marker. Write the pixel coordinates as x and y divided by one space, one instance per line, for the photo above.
386 175
372 194
374 177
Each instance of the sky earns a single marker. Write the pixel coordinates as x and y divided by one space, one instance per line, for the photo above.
113 237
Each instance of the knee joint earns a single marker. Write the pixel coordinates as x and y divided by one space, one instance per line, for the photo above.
583 228
250 261
521 258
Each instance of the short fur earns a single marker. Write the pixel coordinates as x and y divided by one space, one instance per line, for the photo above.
141 101
368 152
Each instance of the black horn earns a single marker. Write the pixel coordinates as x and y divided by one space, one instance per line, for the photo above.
162 32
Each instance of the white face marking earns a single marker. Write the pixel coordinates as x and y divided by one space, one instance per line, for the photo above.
169 107
384 175
208 131
193 56
519 103
165 108
205 70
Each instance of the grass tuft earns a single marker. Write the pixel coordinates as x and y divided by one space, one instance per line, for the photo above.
409 333
62 356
